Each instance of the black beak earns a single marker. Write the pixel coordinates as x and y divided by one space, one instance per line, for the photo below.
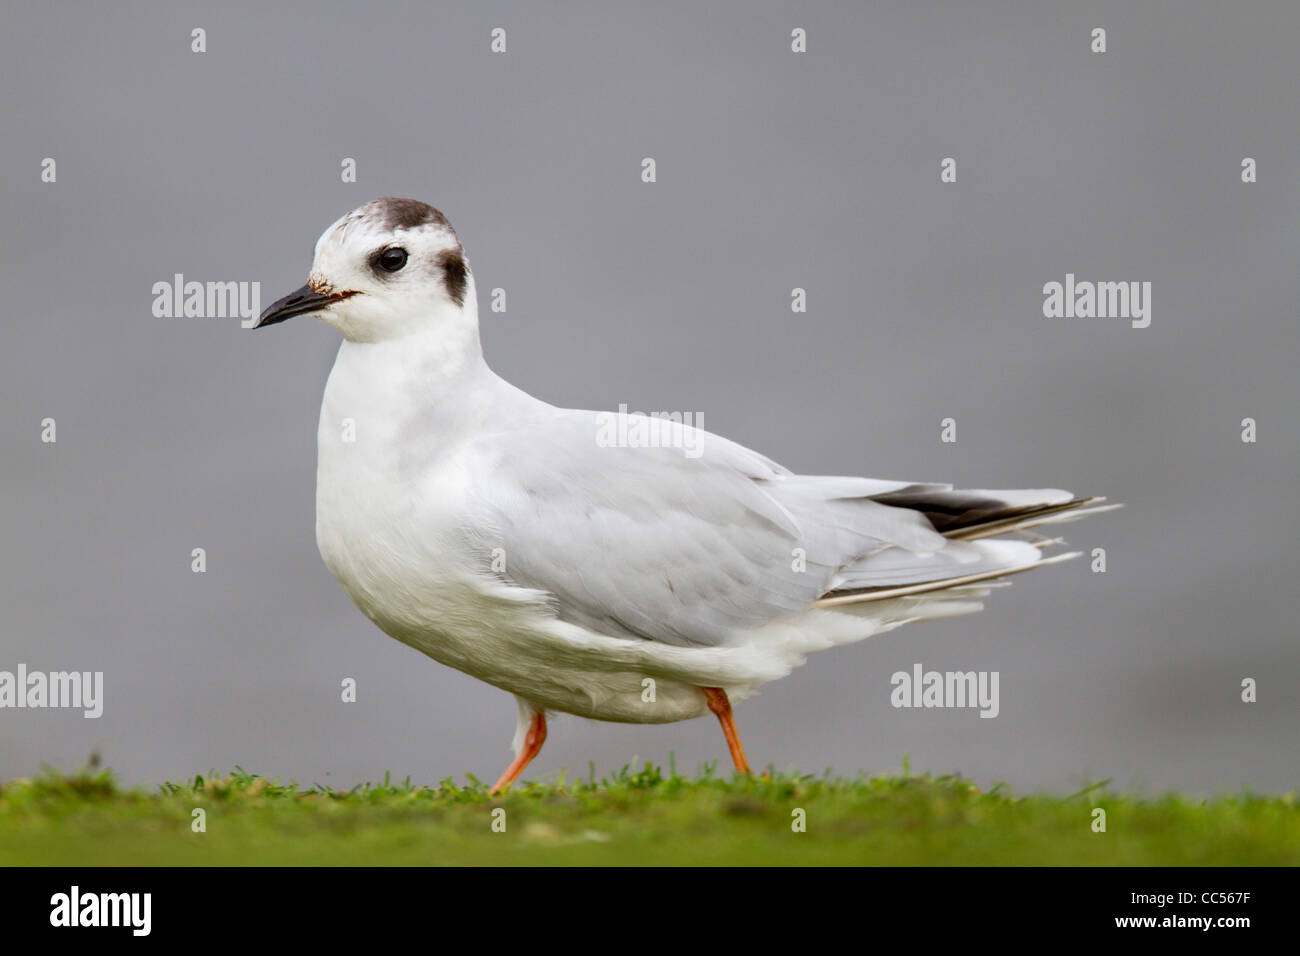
298 302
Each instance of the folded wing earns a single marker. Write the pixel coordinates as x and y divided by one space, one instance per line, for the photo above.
699 540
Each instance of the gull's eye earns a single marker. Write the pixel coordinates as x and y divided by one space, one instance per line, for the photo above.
391 259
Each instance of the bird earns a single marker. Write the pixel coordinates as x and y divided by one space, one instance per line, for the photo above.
616 566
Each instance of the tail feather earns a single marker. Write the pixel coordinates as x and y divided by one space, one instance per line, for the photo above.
862 595
1030 518
964 518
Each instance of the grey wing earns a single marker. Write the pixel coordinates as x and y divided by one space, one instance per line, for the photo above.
656 543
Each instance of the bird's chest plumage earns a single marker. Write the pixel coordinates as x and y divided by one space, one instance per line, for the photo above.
398 478
390 507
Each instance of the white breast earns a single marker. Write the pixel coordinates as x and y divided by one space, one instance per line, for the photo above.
391 490
389 497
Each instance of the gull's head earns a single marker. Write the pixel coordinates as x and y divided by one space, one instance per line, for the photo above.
387 269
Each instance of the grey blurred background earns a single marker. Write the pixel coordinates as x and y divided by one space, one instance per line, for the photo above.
775 170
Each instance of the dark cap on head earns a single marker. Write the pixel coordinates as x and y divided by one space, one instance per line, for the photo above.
393 213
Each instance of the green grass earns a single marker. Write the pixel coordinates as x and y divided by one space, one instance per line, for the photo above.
638 817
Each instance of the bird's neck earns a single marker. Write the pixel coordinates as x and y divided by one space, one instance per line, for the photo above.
438 379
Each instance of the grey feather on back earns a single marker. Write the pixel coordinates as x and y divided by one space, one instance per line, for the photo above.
648 543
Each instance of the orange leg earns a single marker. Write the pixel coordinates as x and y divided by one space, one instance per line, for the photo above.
532 747
720 706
